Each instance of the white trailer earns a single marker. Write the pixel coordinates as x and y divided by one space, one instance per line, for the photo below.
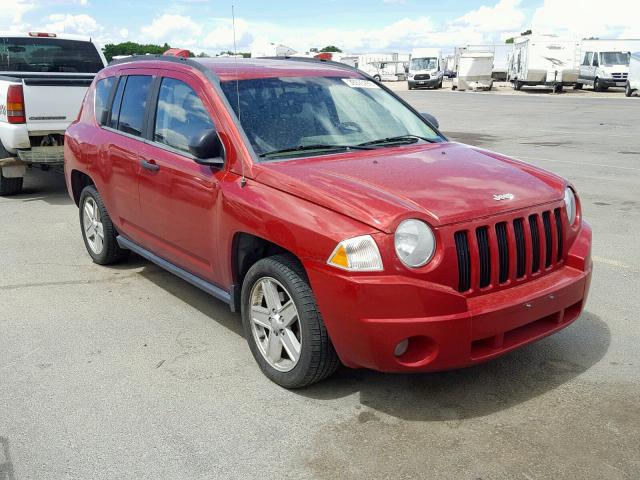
543 60
500 58
605 63
633 80
474 71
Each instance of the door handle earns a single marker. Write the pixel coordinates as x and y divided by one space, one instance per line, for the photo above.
150 165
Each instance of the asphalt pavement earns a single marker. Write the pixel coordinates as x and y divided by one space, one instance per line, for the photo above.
129 372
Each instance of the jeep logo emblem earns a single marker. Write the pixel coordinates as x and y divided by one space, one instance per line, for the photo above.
503 196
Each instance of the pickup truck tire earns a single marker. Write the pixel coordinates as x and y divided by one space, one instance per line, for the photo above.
98 232
10 186
270 289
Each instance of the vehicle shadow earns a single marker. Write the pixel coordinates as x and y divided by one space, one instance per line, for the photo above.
6 466
480 390
48 186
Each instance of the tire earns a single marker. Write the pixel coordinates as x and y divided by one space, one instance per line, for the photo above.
577 86
596 86
627 90
317 359
377 78
410 87
558 88
110 252
439 84
517 86
10 186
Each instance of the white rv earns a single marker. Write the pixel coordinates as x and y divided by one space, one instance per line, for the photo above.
474 71
381 66
605 63
543 60
426 68
633 80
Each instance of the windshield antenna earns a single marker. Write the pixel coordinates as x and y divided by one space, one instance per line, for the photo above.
243 180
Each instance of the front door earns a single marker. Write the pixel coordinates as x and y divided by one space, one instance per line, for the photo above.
178 197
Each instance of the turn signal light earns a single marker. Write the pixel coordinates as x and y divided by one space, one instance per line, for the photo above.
358 254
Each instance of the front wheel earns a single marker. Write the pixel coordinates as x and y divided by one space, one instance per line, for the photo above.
627 90
98 232
283 326
377 78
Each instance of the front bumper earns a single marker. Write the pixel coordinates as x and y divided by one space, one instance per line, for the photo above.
431 82
367 316
612 82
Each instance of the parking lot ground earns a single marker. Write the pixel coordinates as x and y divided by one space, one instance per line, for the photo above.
129 372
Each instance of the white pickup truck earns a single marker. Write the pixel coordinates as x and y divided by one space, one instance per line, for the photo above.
43 80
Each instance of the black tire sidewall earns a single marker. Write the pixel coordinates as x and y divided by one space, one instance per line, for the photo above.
270 267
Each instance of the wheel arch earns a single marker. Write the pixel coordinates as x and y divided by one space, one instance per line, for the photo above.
79 180
247 249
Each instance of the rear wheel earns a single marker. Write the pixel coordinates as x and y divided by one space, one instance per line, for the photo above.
517 85
98 232
577 86
10 186
283 326
557 88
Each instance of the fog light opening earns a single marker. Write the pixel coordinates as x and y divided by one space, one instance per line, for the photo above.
401 348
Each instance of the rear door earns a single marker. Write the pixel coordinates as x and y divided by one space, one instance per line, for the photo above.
179 198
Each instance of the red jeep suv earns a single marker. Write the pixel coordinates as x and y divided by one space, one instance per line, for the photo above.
338 220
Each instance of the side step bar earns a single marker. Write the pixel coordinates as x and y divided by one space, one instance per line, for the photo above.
202 284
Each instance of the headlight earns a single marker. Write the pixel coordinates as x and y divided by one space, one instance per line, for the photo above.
358 254
570 204
415 243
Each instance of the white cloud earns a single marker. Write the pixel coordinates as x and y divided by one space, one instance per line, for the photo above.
503 16
221 36
79 24
123 32
177 30
12 12
588 18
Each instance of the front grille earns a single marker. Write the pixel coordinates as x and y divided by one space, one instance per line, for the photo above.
522 246
619 76
422 76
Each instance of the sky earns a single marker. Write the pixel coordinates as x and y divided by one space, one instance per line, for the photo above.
356 26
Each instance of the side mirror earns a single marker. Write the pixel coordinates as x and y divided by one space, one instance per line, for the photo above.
207 148
431 119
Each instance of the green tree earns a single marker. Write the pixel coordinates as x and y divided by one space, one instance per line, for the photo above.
331 48
132 48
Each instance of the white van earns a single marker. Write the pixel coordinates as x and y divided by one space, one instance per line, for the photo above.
605 63
633 80
426 68
543 60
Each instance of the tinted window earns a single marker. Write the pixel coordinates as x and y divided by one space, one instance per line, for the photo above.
41 54
103 90
180 116
117 101
134 100
595 60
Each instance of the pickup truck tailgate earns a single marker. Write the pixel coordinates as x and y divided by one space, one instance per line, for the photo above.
52 103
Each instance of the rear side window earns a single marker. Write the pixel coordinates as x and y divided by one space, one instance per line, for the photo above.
180 116
103 91
117 102
41 54
134 100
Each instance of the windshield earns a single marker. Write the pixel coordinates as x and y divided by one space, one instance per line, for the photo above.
291 113
40 54
614 58
424 63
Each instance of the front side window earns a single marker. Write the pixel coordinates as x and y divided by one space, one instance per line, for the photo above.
587 58
291 112
180 115
103 90
595 60
134 101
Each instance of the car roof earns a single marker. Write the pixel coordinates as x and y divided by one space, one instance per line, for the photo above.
229 68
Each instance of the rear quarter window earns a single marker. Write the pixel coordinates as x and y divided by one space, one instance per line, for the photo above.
103 91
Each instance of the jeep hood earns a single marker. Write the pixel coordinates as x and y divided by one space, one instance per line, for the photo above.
442 183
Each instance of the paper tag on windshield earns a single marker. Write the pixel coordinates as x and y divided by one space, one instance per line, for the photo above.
359 83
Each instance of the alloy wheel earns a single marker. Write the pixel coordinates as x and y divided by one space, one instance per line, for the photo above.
92 225
275 324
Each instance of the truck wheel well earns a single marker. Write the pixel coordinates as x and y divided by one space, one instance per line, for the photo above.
79 180
247 250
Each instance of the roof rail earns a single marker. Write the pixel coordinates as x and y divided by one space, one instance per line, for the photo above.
138 58
344 66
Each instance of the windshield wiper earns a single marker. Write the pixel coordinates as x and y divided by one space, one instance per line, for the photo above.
398 139
318 146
